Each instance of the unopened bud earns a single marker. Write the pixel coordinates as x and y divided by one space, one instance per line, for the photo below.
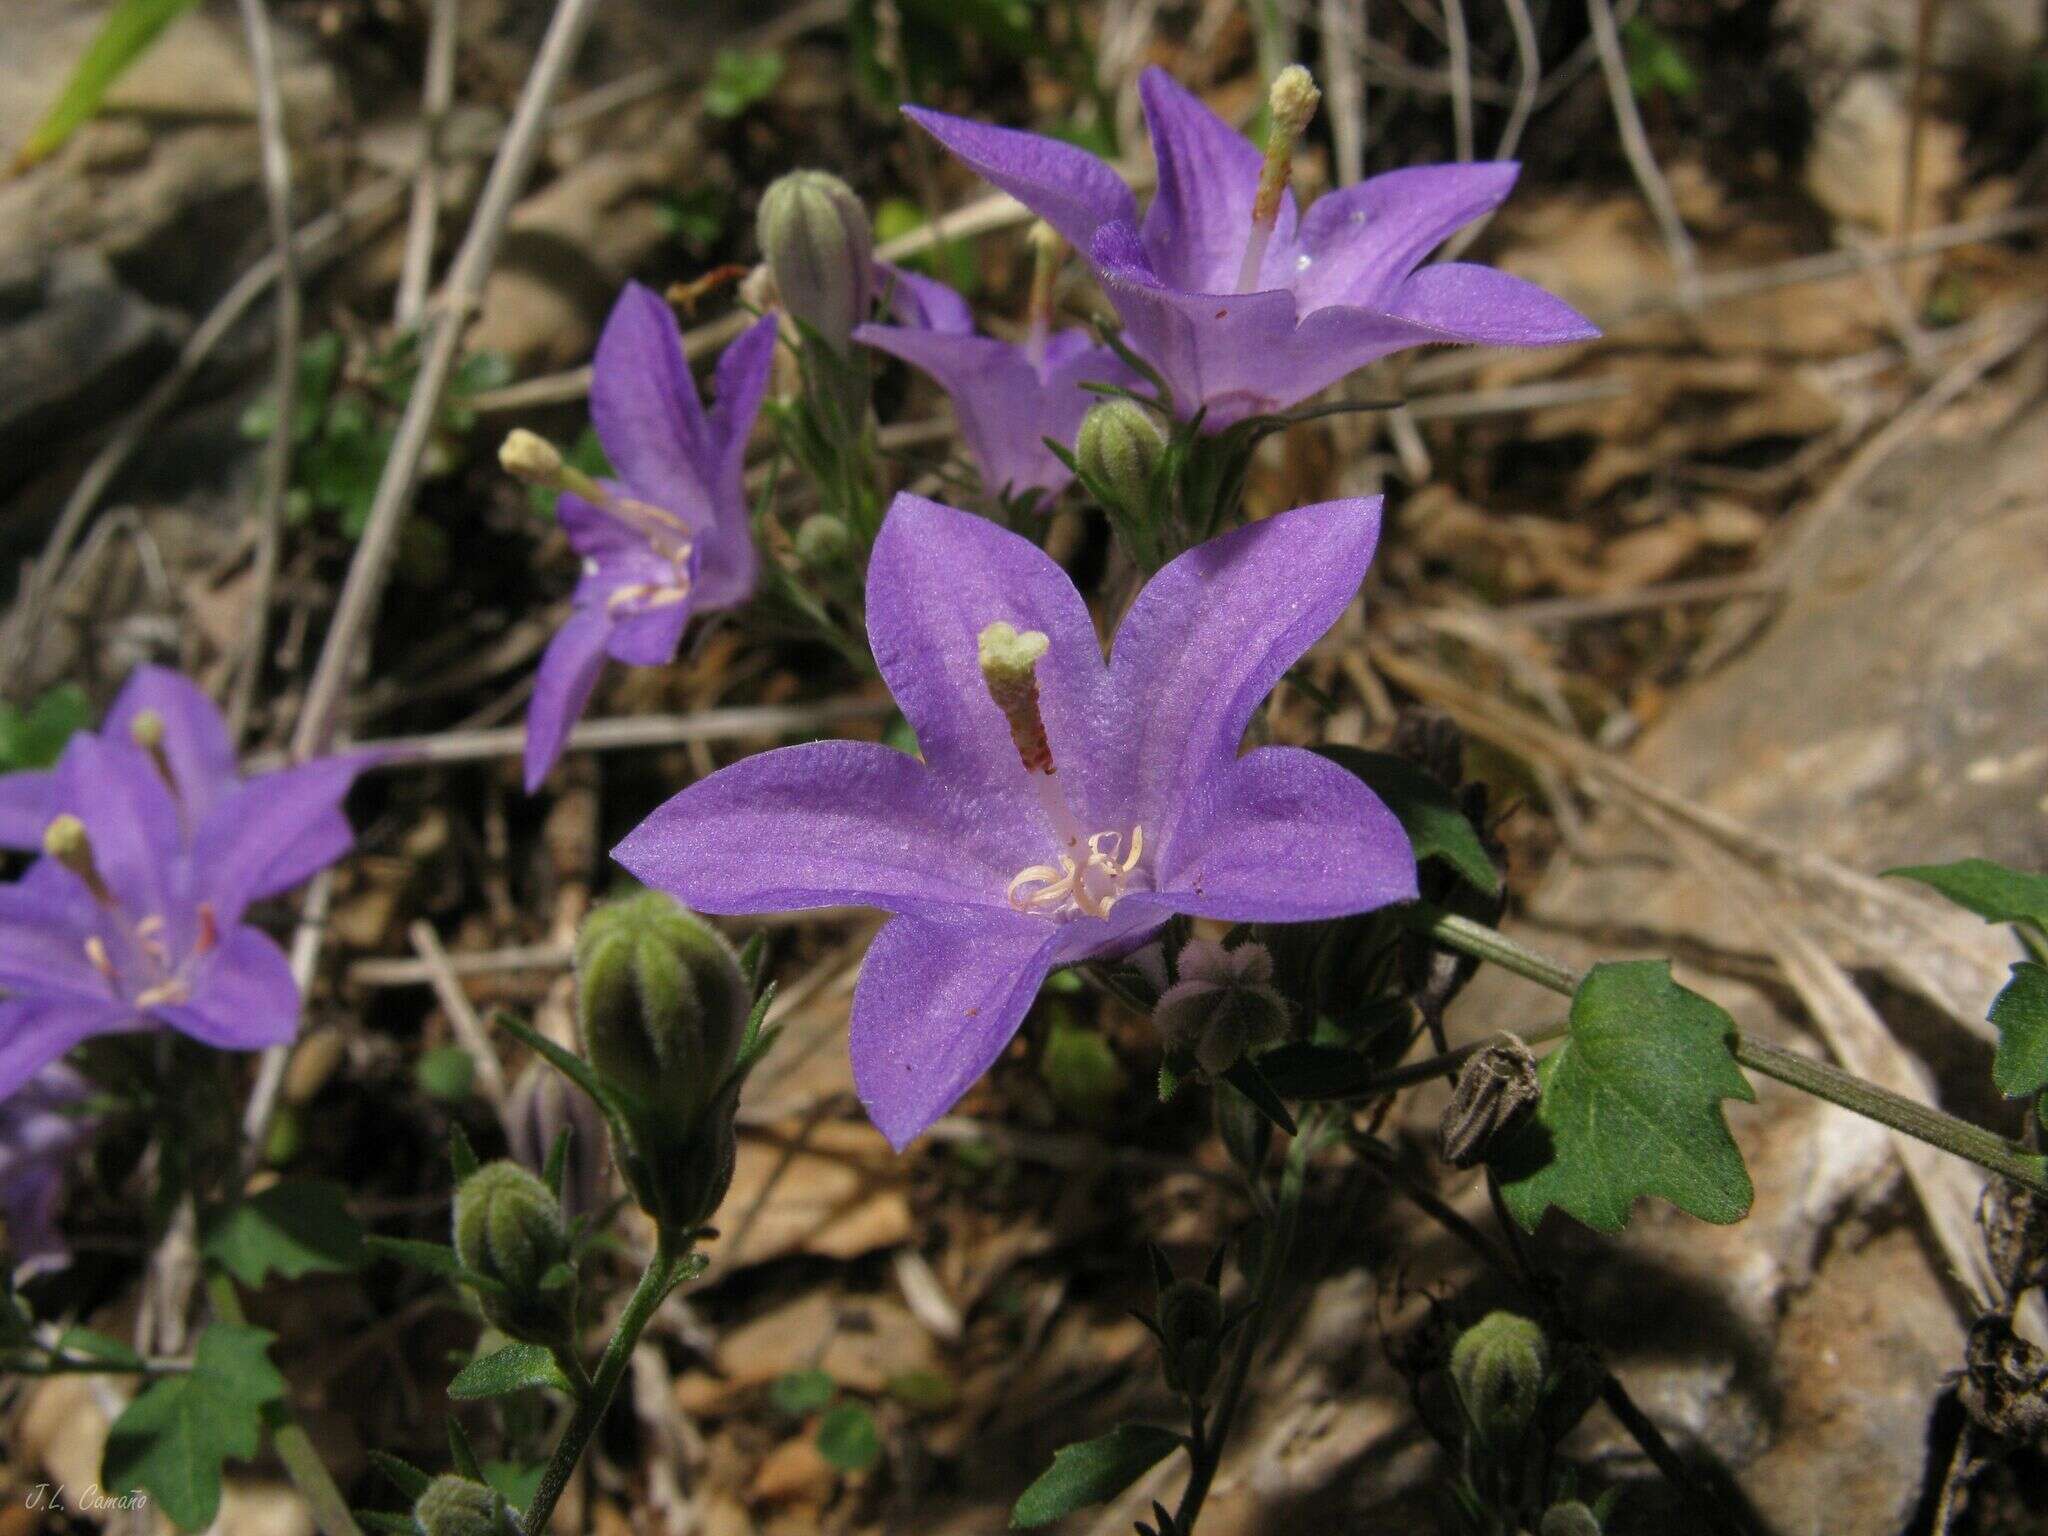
1009 667
1570 1518
823 541
1223 1005
65 840
509 1228
663 1010
1499 1366
817 240
541 1106
1191 1328
660 1002
1119 448
1498 1090
455 1506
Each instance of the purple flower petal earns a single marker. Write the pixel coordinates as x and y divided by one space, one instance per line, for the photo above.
1285 836
644 405
937 578
1472 303
993 390
835 823
133 823
271 832
196 743
1357 242
649 638
36 1031
45 919
1067 187
1211 634
926 304
726 563
562 687
26 807
243 997
1199 223
938 1000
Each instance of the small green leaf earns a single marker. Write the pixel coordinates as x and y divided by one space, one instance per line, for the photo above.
1992 891
739 78
173 1439
2021 1013
1092 1471
35 737
1632 1106
516 1481
446 1073
403 1475
434 1258
802 1393
1308 1072
1428 812
123 38
84 1343
1248 1080
297 1228
514 1368
848 1439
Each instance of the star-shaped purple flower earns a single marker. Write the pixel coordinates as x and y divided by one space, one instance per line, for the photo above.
40 1133
133 918
1334 289
196 755
1007 397
1064 807
670 536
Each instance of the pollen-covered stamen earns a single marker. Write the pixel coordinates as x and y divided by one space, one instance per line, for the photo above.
641 596
1048 251
1291 105
65 840
1009 667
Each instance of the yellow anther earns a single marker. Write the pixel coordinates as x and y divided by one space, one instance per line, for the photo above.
1009 667
1291 105
65 840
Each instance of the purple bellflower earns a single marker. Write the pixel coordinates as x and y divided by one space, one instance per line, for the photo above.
152 852
171 718
670 536
1007 397
1064 807
1241 302
39 1135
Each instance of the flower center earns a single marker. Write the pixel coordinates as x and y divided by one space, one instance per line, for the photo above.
139 966
1090 871
644 596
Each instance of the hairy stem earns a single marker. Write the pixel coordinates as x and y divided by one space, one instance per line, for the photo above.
654 1286
1207 1448
302 1463
1922 1122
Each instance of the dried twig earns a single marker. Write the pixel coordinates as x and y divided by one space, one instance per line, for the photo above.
462 1015
277 460
1635 144
1460 44
436 99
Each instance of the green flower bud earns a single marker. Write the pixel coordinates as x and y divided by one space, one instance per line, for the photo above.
455 1506
1118 448
661 1005
509 1228
1223 1005
1191 1328
663 1011
823 541
1497 1091
1499 1366
1569 1519
819 244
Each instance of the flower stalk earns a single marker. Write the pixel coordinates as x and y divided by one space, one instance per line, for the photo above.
1959 1138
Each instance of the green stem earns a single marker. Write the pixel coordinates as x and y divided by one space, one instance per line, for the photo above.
1960 1138
1208 1447
654 1286
302 1463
